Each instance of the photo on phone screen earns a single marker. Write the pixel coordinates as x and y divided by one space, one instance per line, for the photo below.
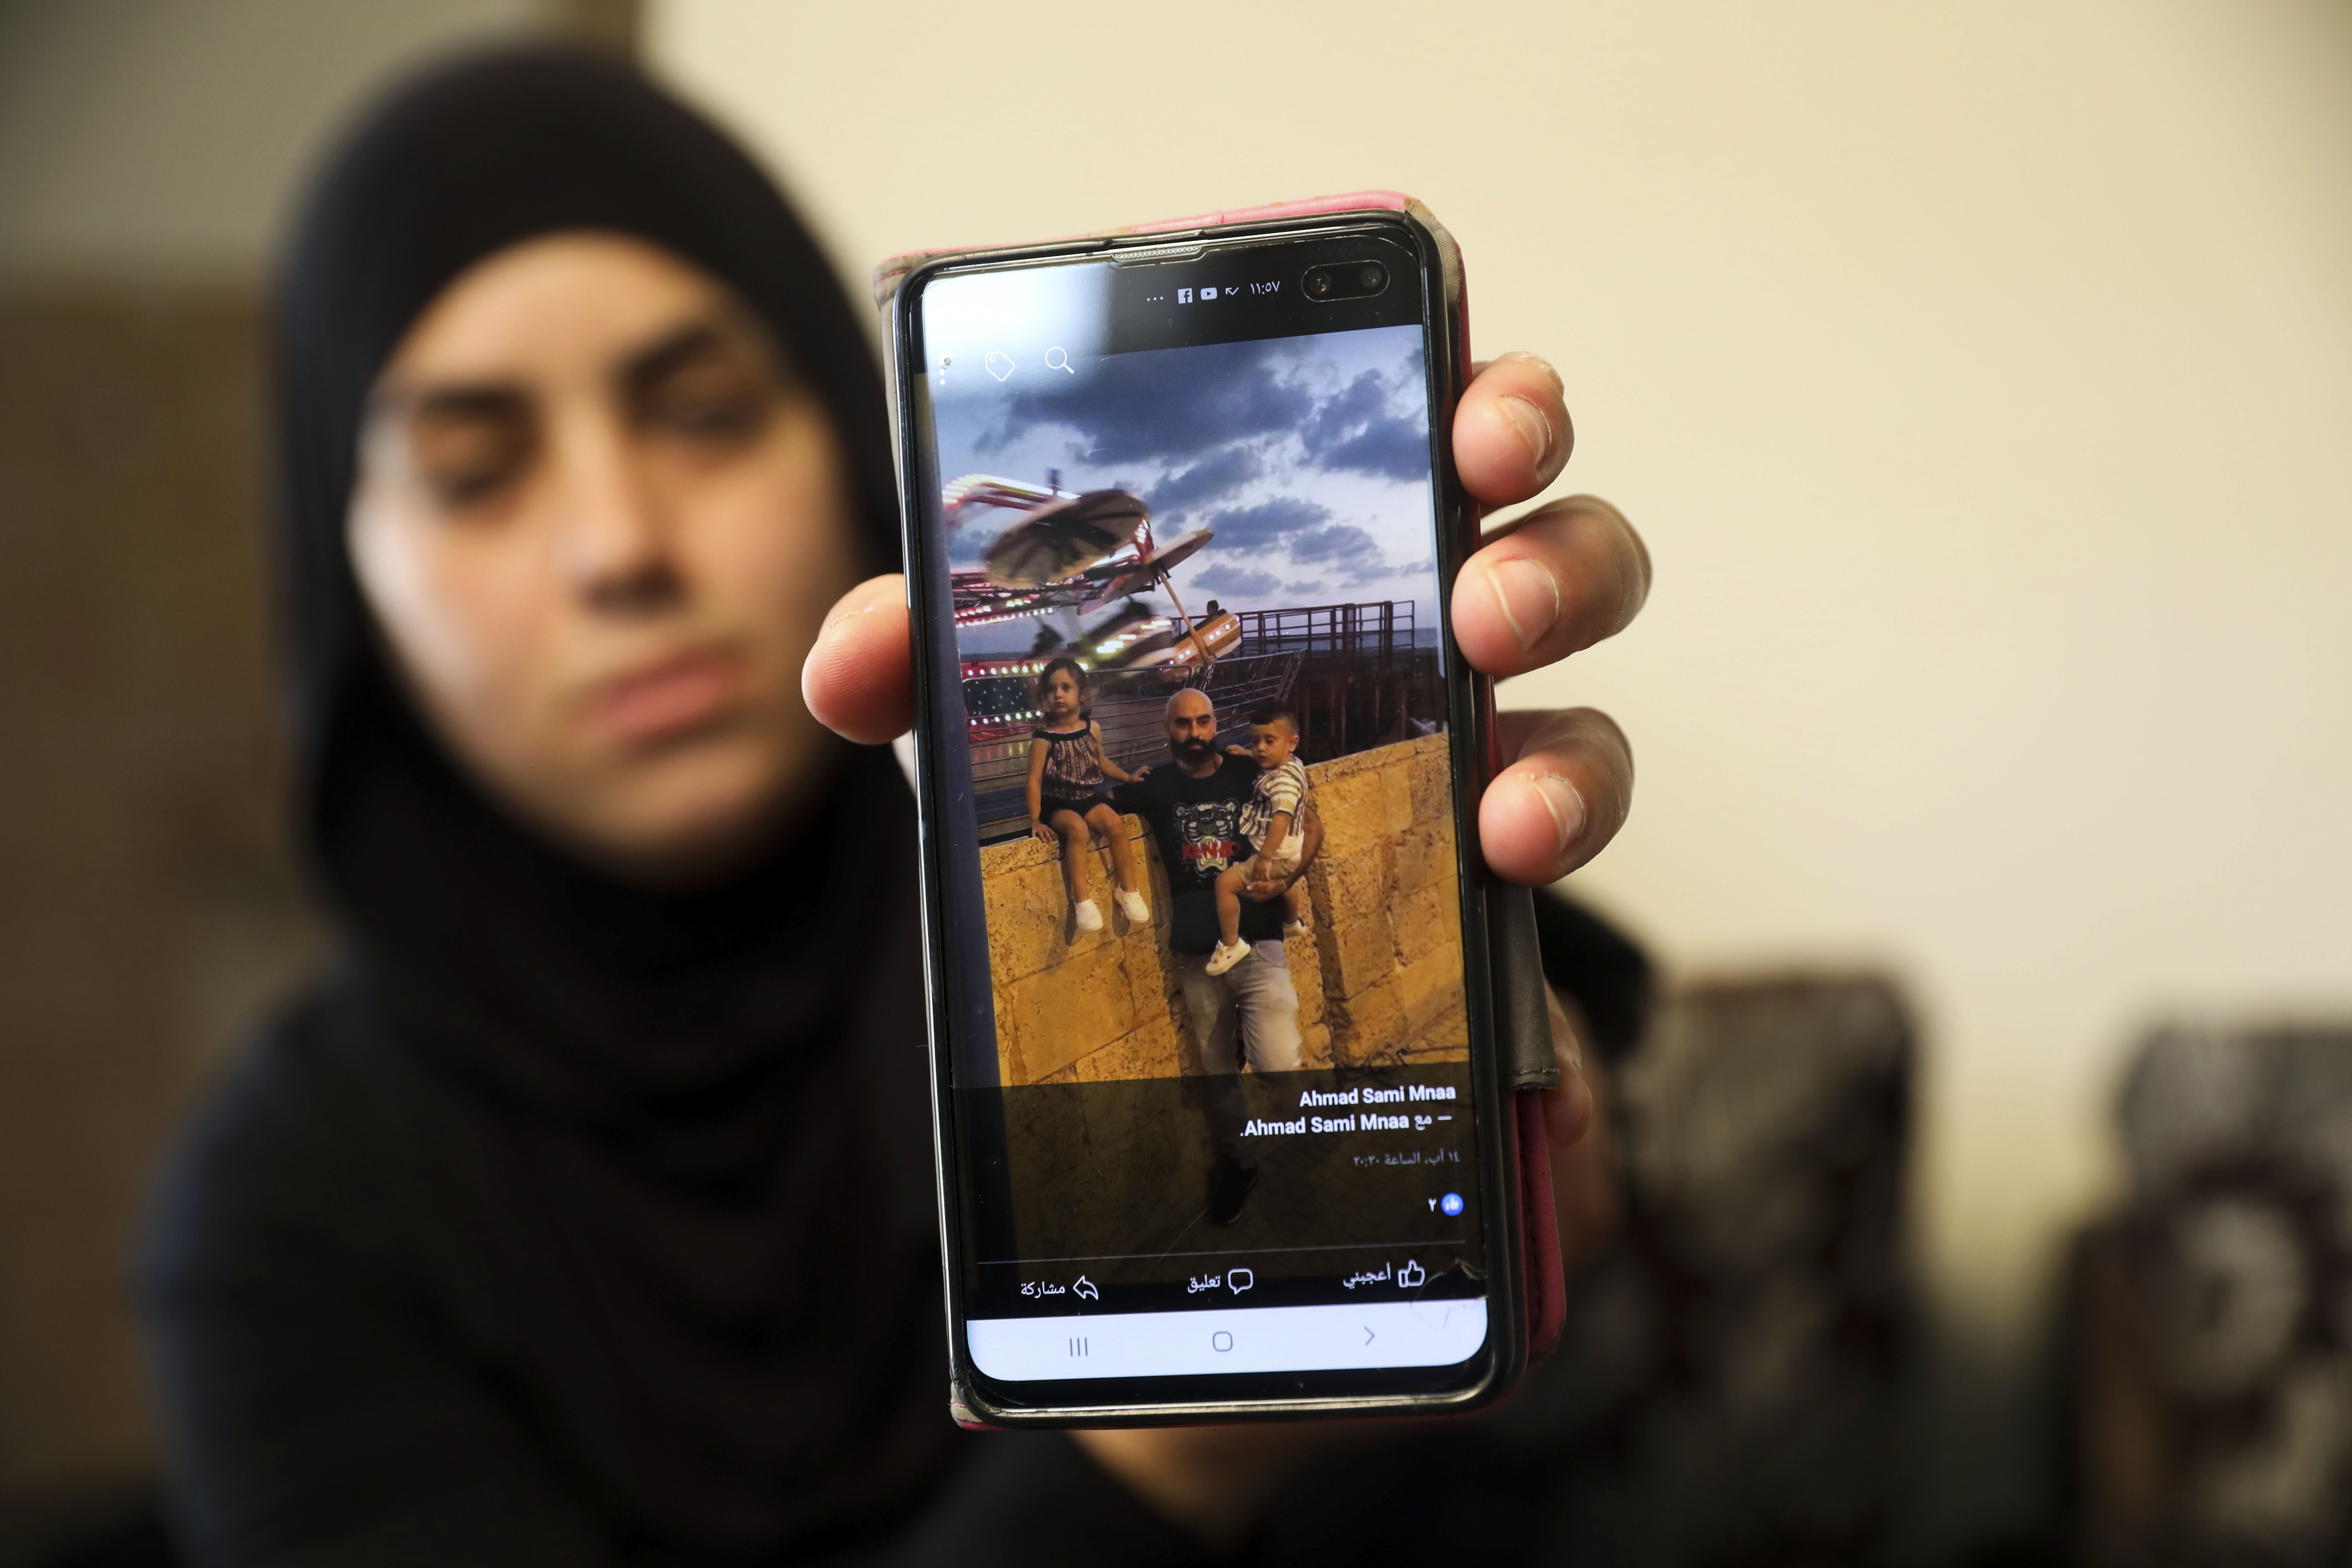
1211 1079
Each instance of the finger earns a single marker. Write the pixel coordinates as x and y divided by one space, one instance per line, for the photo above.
1568 1110
858 680
1511 431
1585 1199
1558 580
1562 799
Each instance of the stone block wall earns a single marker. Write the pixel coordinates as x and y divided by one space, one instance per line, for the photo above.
1379 977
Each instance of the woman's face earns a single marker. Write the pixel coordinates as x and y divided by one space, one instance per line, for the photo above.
599 521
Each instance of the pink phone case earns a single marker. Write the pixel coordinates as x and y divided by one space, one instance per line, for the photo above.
1526 1040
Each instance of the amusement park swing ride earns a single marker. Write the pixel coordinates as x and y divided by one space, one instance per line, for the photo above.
1077 553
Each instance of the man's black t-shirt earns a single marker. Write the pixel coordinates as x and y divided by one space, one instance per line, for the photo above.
1197 823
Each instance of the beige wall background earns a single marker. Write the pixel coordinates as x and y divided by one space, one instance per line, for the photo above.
161 140
1980 375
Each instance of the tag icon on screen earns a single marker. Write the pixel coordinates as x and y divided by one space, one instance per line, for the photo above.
998 365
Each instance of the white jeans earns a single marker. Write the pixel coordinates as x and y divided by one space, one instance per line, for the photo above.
1253 1000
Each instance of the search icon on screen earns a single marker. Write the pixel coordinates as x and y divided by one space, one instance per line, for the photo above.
1056 360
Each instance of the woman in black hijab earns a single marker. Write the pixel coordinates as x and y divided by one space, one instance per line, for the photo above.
588 1204
583 1213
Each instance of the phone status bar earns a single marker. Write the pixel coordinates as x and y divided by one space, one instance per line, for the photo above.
1205 293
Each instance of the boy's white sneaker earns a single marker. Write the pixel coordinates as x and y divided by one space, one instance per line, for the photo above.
1226 955
1088 917
1294 927
1130 904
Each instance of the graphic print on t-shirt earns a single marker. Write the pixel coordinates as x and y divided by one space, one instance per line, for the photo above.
1209 834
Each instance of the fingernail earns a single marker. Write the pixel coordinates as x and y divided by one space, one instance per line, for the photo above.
1550 371
1533 425
842 610
1566 806
1529 596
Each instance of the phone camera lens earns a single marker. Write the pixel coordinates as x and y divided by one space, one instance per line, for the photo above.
1346 280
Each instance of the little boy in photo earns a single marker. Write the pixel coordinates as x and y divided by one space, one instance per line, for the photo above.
1269 820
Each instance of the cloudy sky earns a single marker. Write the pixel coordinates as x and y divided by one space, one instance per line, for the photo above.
1308 456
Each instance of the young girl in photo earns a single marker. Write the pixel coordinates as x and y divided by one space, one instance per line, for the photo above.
1068 766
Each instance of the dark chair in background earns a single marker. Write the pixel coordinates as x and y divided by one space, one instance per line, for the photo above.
2207 1324
1731 1385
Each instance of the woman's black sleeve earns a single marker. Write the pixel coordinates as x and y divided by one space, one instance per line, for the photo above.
1026 1498
1592 961
314 1414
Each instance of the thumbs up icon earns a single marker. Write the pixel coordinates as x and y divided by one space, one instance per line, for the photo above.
1410 1276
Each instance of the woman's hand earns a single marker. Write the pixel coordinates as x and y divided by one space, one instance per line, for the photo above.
1039 830
1554 583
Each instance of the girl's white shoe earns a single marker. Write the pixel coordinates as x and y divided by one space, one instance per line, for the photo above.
1088 917
1130 904
1226 955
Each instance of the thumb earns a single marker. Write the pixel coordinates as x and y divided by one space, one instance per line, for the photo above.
858 680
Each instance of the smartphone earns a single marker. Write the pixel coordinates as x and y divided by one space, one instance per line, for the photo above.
1225 1123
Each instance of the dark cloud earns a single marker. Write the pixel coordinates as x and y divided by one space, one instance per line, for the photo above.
1165 405
1239 581
1310 586
1362 400
1341 541
1344 549
1393 448
1267 524
1305 532
1210 479
1356 430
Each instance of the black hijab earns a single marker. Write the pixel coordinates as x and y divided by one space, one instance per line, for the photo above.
682 1190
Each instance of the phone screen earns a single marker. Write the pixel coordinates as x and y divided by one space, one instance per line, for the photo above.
1191 732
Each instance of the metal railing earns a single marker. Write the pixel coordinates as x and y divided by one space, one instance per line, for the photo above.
1381 630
